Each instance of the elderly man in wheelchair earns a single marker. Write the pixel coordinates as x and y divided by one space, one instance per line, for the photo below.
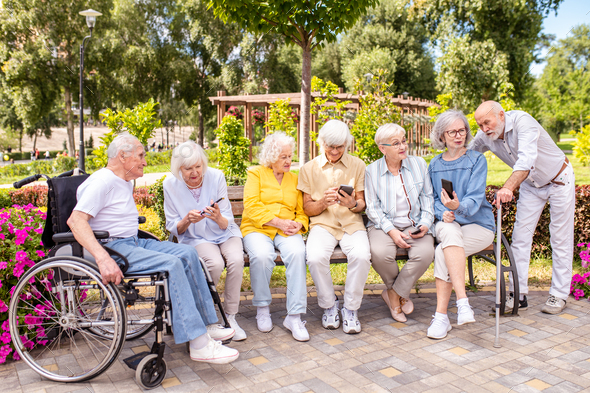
105 202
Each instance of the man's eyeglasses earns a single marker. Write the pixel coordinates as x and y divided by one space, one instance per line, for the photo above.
396 145
453 133
339 148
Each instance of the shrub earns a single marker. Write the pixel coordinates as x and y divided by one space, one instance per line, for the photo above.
33 195
157 191
282 118
580 286
158 158
5 198
142 196
233 150
20 249
152 223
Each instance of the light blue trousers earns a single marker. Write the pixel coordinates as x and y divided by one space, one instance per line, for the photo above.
192 305
262 254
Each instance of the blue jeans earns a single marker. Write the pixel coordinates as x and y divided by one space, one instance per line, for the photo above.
262 254
192 305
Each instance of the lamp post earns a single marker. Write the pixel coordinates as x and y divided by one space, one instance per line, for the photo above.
90 15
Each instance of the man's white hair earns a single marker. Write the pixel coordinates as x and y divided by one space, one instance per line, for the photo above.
186 155
122 143
272 147
334 133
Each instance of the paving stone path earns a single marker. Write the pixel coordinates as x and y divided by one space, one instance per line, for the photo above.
539 352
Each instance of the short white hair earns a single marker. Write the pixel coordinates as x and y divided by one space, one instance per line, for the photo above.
186 155
387 132
334 133
122 143
272 147
444 121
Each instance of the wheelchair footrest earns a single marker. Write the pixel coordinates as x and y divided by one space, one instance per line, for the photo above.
133 361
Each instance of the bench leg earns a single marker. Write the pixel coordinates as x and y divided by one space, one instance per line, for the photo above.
470 269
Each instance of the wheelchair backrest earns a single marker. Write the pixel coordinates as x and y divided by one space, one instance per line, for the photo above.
61 200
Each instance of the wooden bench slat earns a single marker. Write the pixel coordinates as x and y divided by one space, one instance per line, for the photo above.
235 193
237 207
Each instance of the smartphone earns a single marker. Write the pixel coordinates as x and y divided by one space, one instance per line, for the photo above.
212 205
448 187
346 189
417 231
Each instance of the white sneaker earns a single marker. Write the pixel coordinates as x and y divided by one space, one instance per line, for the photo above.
331 318
220 333
263 320
240 333
439 328
214 352
553 305
297 328
465 314
350 321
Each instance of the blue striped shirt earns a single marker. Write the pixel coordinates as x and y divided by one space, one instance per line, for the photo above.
380 193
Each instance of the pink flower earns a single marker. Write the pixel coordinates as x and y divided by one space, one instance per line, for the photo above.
16 356
5 326
21 255
5 337
578 293
2 236
3 306
40 253
3 265
5 350
3 359
10 228
32 320
12 291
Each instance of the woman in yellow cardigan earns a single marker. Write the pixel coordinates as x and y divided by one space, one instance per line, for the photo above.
273 218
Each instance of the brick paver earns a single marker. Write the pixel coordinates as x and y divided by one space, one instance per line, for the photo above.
539 352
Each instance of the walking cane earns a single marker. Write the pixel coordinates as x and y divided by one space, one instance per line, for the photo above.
498 272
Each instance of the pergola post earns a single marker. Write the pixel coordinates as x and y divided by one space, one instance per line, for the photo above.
248 124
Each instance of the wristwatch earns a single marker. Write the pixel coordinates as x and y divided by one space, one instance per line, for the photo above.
355 205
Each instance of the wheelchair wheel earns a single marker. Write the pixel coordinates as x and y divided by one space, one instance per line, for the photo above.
56 300
142 310
148 375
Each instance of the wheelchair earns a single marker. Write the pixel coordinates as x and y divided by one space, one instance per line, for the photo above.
80 323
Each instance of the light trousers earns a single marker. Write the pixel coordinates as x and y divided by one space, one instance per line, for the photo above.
216 257
320 246
262 254
562 203
471 237
383 256
192 305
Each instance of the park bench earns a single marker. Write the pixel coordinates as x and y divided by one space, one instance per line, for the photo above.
236 197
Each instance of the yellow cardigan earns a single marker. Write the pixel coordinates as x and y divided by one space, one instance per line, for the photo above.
265 199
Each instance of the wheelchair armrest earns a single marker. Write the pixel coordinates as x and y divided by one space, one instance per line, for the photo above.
68 237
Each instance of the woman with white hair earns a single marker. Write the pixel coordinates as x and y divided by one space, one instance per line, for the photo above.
273 218
333 186
400 211
465 222
199 214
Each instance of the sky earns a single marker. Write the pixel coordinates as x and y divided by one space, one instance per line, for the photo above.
570 13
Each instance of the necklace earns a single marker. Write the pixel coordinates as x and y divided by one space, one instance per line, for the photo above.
200 184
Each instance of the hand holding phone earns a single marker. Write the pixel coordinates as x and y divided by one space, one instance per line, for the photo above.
448 187
212 205
347 189
417 231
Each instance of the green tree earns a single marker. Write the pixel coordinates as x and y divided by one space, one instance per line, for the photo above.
564 87
233 150
39 43
376 109
514 27
325 105
472 72
305 23
385 37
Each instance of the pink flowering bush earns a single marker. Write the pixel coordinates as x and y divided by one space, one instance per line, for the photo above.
20 249
580 286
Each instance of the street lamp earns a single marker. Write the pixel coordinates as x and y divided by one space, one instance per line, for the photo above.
90 15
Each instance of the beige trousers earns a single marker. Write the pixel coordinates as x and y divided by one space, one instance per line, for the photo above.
233 253
320 246
472 238
384 251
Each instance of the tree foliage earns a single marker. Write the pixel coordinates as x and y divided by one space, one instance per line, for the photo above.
281 118
233 150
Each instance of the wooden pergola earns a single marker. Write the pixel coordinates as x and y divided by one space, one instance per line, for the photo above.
411 107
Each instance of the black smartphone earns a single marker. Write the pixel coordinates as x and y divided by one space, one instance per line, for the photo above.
417 231
346 189
448 187
213 204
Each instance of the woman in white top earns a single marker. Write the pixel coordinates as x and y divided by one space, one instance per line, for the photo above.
199 214
400 207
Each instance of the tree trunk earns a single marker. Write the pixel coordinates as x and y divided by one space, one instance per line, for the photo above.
201 127
35 142
304 119
70 118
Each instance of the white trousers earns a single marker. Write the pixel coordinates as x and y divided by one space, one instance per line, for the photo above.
562 201
320 246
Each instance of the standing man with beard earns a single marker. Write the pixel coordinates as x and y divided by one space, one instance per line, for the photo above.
543 174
